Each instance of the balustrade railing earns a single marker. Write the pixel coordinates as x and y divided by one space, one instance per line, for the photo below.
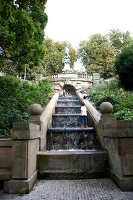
80 76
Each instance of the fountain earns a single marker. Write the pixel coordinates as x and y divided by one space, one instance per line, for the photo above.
72 152
66 132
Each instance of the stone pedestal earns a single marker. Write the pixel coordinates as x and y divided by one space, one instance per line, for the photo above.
16 186
25 145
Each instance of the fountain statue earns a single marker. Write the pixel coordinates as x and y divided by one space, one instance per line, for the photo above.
66 61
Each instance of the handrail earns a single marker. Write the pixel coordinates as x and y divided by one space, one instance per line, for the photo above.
91 109
46 119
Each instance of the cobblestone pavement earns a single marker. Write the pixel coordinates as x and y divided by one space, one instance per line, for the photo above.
86 189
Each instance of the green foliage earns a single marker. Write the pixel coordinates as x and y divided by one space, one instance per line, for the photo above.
124 67
97 55
22 33
124 114
120 39
99 51
121 100
101 92
16 97
23 191
54 53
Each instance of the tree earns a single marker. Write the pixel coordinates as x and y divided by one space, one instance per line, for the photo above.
15 98
120 39
97 55
124 67
22 33
54 53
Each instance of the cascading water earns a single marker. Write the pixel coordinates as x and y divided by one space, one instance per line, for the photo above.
66 132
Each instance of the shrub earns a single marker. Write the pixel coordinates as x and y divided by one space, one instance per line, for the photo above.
121 100
125 114
102 92
16 97
23 191
124 67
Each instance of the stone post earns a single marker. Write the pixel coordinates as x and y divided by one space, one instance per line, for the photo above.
106 109
25 145
106 120
35 111
96 78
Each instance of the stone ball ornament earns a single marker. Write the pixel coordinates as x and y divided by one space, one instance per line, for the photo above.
35 109
106 107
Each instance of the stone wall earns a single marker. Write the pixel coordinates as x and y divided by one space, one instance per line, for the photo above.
118 140
5 158
116 137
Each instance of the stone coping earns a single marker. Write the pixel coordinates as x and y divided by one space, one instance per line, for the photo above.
120 128
25 126
91 109
124 123
48 111
121 124
119 133
25 134
5 142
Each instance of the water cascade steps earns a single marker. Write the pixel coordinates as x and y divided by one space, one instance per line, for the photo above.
72 151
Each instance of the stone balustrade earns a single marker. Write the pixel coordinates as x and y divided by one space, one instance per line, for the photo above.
90 77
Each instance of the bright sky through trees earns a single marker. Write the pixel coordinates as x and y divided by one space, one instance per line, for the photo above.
76 20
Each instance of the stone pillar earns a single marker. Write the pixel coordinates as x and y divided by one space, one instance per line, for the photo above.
96 78
25 145
35 111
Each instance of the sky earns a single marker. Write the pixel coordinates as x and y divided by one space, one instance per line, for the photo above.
76 20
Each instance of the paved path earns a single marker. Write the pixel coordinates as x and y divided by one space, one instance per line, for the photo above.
87 189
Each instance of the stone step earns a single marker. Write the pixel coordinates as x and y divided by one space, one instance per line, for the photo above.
68 97
71 138
72 164
67 110
68 102
66 120
75 129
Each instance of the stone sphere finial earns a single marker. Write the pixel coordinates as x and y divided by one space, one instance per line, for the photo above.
35 109
106 107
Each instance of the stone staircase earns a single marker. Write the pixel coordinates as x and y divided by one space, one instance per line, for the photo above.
72 152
